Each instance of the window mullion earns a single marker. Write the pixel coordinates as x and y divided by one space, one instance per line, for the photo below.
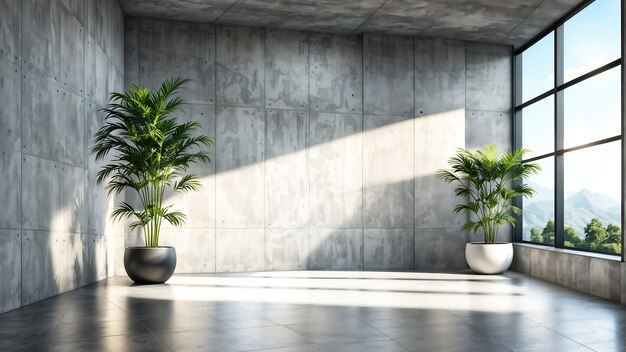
559 135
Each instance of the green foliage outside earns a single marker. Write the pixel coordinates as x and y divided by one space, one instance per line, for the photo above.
597 237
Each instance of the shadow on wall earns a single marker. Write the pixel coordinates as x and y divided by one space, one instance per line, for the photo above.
324 192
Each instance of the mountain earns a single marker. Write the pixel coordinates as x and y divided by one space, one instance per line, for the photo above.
579 209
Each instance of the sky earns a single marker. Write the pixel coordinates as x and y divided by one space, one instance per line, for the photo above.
592 108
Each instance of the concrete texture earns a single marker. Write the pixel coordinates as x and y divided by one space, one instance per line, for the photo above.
488 77
199 206
195 249
336 171
53 77
296 157
10 269
483 21
41 38
171 49
605 278
388 249
286 249
543 265
440 249
336 73
10 115
286 69
388 74
10 30
336 249
286 176
486 127
440 134
439 76
10 174
597 274
573 271
239 63
240 146
388 198
239 250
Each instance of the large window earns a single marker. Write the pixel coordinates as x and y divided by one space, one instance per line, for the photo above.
568 112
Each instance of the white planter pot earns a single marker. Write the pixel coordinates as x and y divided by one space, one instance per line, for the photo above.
489 258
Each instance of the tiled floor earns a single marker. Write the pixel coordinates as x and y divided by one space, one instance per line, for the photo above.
319 311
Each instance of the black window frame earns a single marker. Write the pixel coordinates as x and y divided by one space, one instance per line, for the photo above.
557 91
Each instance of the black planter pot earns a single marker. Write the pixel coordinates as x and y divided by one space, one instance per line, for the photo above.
150 265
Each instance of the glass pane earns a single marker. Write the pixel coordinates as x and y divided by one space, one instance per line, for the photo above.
592 109
538 127
538 218
592 198
538 68
592 38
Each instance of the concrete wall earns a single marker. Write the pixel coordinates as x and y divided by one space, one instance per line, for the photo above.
58 62
327 144
596 274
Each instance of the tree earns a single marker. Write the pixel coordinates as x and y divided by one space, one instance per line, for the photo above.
571 237
597 237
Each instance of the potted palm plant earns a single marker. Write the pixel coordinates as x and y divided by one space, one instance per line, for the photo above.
150 151
489 180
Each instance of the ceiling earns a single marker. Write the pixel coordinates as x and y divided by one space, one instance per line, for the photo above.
512 22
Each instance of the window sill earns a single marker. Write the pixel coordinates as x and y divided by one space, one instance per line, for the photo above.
615 258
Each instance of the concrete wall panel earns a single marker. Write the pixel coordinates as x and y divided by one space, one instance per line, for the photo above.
41 104
440 249
72 72
336 171
11 30
36 260
286 169
521 259
388 249
486 127
96 72
388 74
488 77
10 114
239 166
388 172
131 51
286 249
71 130
54 261
97 198
543 265
76 8
10 269
195 249
41 197
573 271
437 136
605 278
41 37
439 76
170 49
336 249
239 65
199 206
336 73
286 69
73 211
239 250
11 176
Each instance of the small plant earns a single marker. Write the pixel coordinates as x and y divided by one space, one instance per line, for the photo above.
490 181
150 152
